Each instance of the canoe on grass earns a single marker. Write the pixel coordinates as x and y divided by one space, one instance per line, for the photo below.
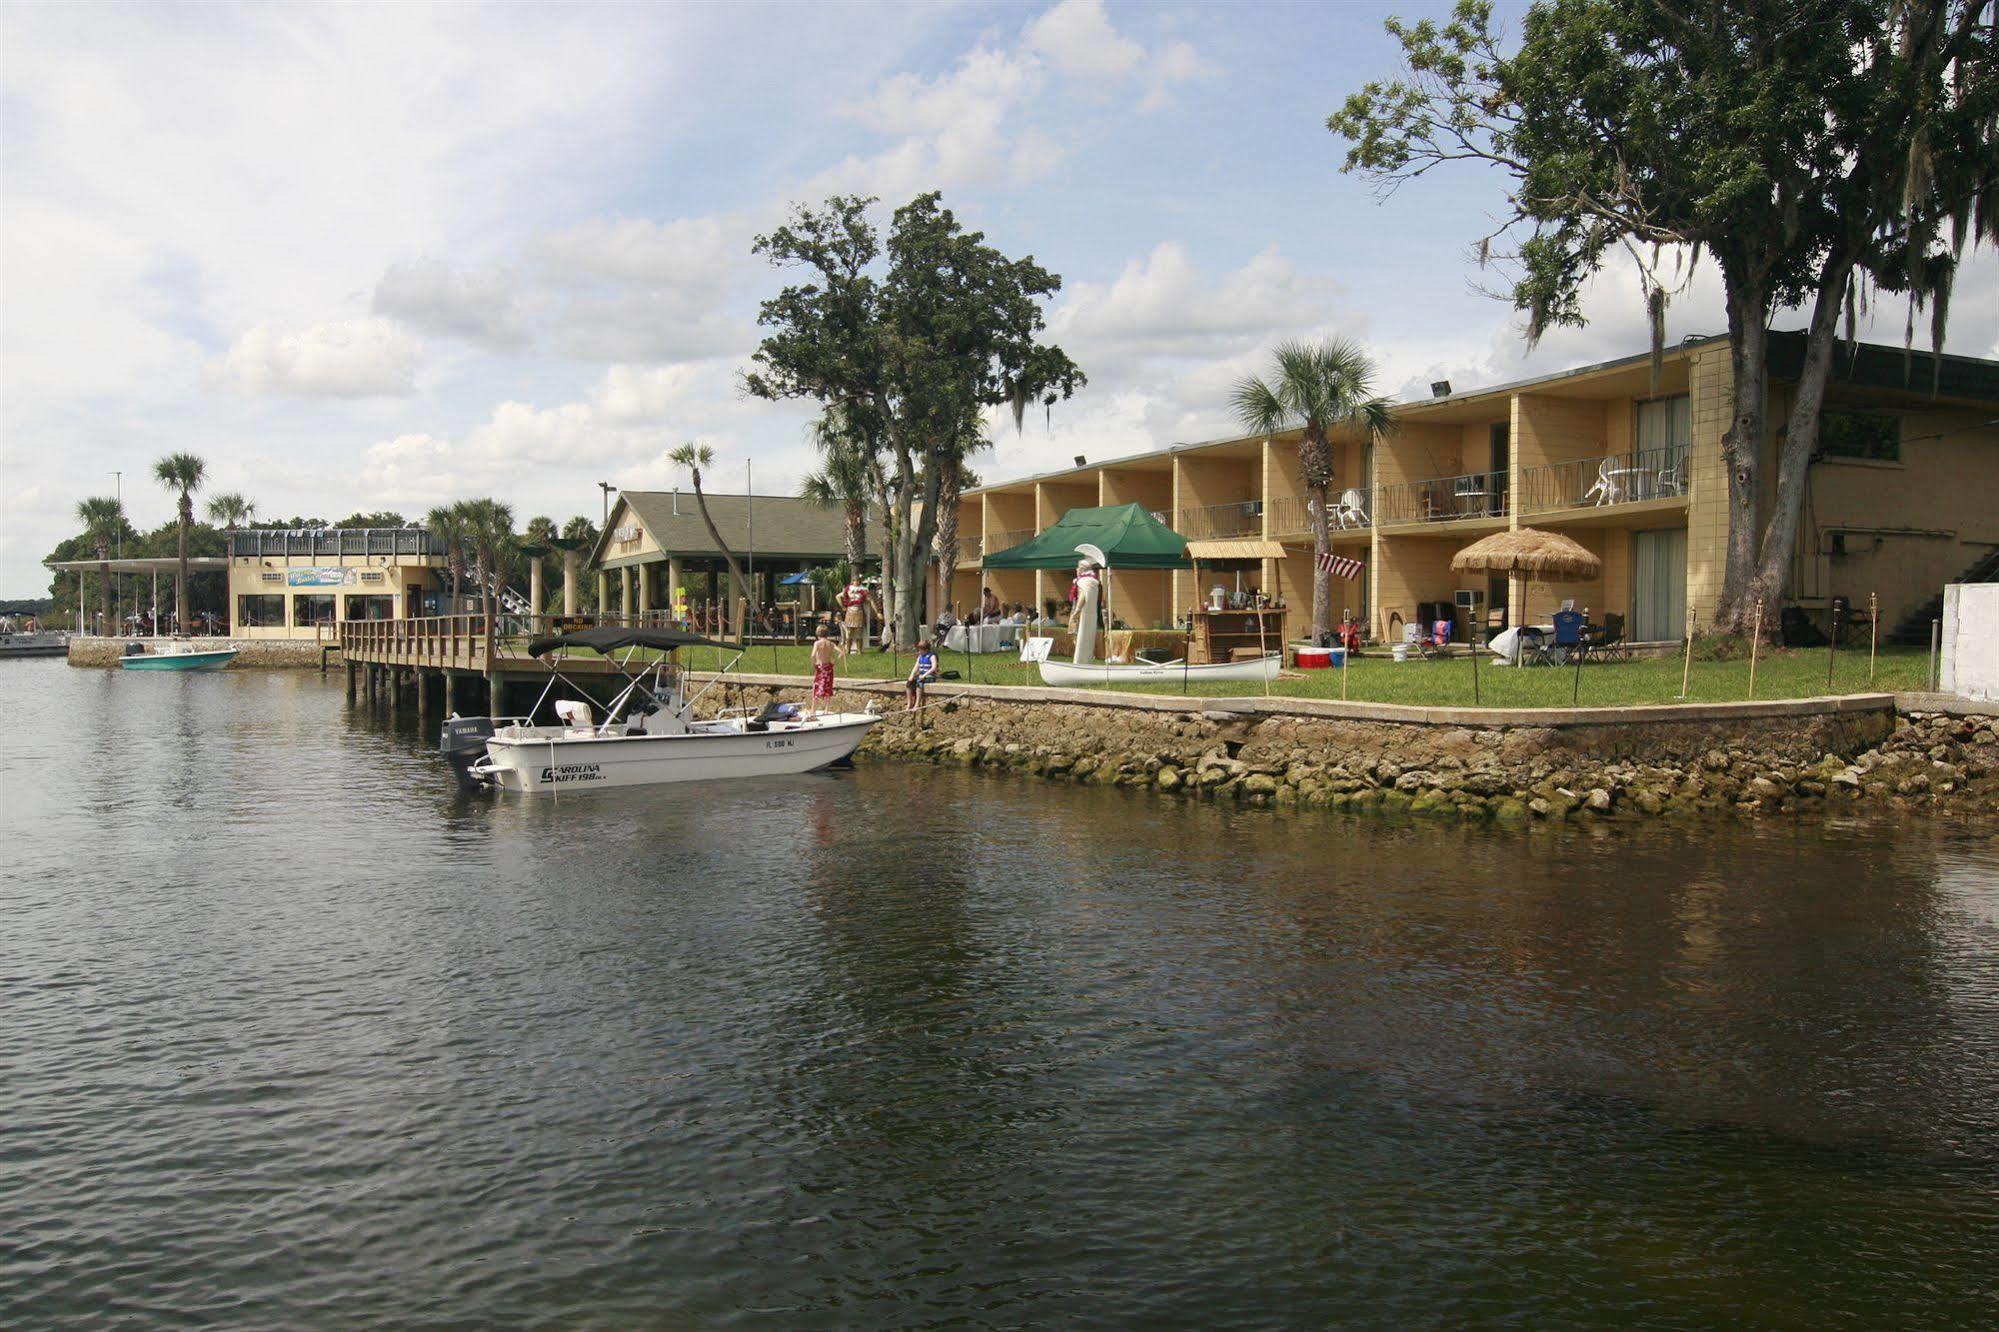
1163 672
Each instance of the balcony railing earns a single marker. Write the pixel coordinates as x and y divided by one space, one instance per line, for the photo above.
1613 478
1442 499
971 549
1244 518
1291 515
995 542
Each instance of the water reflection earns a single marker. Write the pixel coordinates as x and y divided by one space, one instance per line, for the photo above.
913 1046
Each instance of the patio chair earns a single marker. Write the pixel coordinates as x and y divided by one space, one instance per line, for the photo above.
1606 490
1670 482
1568 640
1351 510
1532 648
1608 644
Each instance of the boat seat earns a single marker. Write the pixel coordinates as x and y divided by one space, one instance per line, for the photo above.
574 715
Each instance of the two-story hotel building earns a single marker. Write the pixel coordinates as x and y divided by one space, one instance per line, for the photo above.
1902 497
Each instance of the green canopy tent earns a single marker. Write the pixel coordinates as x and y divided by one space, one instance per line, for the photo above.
1128 535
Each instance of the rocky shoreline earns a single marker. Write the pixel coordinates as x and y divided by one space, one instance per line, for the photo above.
1886 759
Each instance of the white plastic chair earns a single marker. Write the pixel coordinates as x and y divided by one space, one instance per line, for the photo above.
1352 510
1606 490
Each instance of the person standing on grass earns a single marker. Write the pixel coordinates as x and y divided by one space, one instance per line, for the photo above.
922 674
824 649
854 602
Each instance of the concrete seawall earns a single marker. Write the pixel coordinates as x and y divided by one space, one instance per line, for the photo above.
257 653
1740 758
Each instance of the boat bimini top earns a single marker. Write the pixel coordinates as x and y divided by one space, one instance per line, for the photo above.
607 639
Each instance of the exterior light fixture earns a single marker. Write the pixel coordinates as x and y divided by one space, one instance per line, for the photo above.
1440 388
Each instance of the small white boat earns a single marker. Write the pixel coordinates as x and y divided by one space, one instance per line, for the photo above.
1160 672
649 734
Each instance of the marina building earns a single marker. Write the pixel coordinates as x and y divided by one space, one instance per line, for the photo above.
1902 497
304 584
656 552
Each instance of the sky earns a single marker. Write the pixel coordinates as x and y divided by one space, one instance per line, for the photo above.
368 257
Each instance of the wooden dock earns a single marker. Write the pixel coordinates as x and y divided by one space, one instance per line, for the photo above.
406 660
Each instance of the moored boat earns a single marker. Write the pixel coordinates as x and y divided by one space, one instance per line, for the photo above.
649 734
175 655
1159 672
41 643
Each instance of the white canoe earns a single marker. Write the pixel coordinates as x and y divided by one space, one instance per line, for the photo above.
548 758
1150 672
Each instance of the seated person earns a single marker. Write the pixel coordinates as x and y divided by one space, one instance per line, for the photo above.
1349 631
923 673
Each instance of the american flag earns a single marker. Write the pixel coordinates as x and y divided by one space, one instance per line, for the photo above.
1341 565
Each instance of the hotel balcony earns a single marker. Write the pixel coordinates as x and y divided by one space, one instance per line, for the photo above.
1472 497
1291 515
971 550
1604 481
1244 518
995 542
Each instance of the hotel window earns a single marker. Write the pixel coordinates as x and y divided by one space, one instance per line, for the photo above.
370 608
312 611
1665 427
1875 436
260 612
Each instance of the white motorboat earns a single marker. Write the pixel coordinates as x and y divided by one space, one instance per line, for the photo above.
1262 669
649 734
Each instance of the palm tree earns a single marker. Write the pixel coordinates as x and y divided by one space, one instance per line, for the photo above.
845 479
102 518
694 457
447 525
182 472
581 533
231 510
539 533
489 531
1321 388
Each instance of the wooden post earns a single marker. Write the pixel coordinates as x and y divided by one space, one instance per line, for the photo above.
1687 668
450 694
352 669
1873 632
1831 649
1755 645
422 693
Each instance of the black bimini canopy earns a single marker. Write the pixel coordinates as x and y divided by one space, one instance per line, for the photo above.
609 638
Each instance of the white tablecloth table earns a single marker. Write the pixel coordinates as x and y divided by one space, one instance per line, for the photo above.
985 637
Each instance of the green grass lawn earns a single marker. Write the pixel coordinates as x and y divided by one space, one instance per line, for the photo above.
1444 683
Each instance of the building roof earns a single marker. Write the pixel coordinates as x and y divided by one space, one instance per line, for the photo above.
774 525
145 564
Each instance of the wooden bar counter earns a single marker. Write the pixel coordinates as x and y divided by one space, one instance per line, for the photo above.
1219 634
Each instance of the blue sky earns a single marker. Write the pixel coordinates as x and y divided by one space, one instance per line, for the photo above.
383 257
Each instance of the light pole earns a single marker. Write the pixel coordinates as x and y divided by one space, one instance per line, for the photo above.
117 589
607 488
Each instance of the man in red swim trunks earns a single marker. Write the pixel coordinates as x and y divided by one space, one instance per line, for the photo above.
823 650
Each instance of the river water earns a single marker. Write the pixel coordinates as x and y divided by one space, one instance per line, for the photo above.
293 1035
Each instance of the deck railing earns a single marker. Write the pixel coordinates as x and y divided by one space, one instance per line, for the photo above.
1605 479
971 549
996 542
1442 499
1291 515
1244 518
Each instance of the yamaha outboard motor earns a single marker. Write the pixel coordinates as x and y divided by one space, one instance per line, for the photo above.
463 744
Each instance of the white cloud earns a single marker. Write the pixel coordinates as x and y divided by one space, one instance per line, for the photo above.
1164 305
1077 38
431 295
1177 62
641 393
695 254
955 130
352 358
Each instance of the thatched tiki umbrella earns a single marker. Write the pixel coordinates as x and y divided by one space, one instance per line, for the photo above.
1548 556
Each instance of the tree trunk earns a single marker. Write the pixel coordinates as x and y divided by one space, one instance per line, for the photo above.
104 589
1742 447
1801 437
180 573
947 535
1322 578
857 537
729 556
